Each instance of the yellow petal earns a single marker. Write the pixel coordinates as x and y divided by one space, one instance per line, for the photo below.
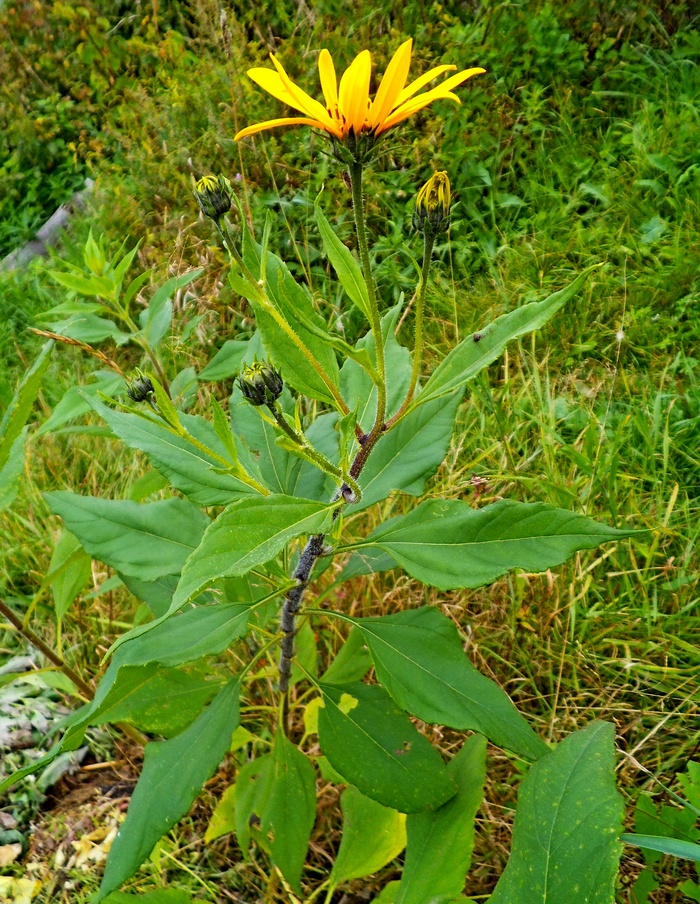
302 101
329 82
413 106
354 92
273 123
462 76
392 83
270 81
419 83
441 92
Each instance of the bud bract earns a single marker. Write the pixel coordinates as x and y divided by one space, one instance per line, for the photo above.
139 387
433 201
261 384
213 194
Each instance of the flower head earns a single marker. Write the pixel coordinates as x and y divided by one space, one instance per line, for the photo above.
260 384
213 193
347 110
139 387
432 210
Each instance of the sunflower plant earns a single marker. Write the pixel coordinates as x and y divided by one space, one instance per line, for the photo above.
253 648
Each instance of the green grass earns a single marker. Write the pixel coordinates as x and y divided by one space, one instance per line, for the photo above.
578 146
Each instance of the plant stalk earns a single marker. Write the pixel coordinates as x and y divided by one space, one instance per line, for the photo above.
314 546
428 244
281 321
358 205
319 460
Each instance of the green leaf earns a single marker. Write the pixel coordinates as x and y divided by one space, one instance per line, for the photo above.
676 847
78 399
294 303
157 595
223 819
388 894
375 747
162 896
479 349
278 468
173 774
12 470
288 814
156 318
84 285
188 468
146 541
448 544
155 699
230 358
440 843
91 329
203 631
357 387
75 571
20 407
249 532
352 662
569 815
347 268
420 662
372 836
411 452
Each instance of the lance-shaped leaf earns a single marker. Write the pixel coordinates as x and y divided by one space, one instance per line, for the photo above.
289 811
372 836
197 474
12 470
375 747
567 822
155 320
203 631
479 349
249 532
411 452
77 400
420 663
17 412
676 847
162 896
156 699
295 305
358 389
69 572
448 544
278 468
146 541
440 843
347 268
173 774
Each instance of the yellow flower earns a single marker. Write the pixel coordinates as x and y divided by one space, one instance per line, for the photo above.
433 203
347 108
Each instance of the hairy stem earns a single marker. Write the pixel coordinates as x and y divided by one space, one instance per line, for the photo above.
314 546
317 457
428 244
358 205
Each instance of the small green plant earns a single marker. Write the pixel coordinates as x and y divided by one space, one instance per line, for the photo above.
248 645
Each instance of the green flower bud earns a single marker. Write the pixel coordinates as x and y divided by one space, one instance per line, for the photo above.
214 196
261 384
433 204
139 387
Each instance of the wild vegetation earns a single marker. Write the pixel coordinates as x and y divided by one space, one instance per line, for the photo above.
578 147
